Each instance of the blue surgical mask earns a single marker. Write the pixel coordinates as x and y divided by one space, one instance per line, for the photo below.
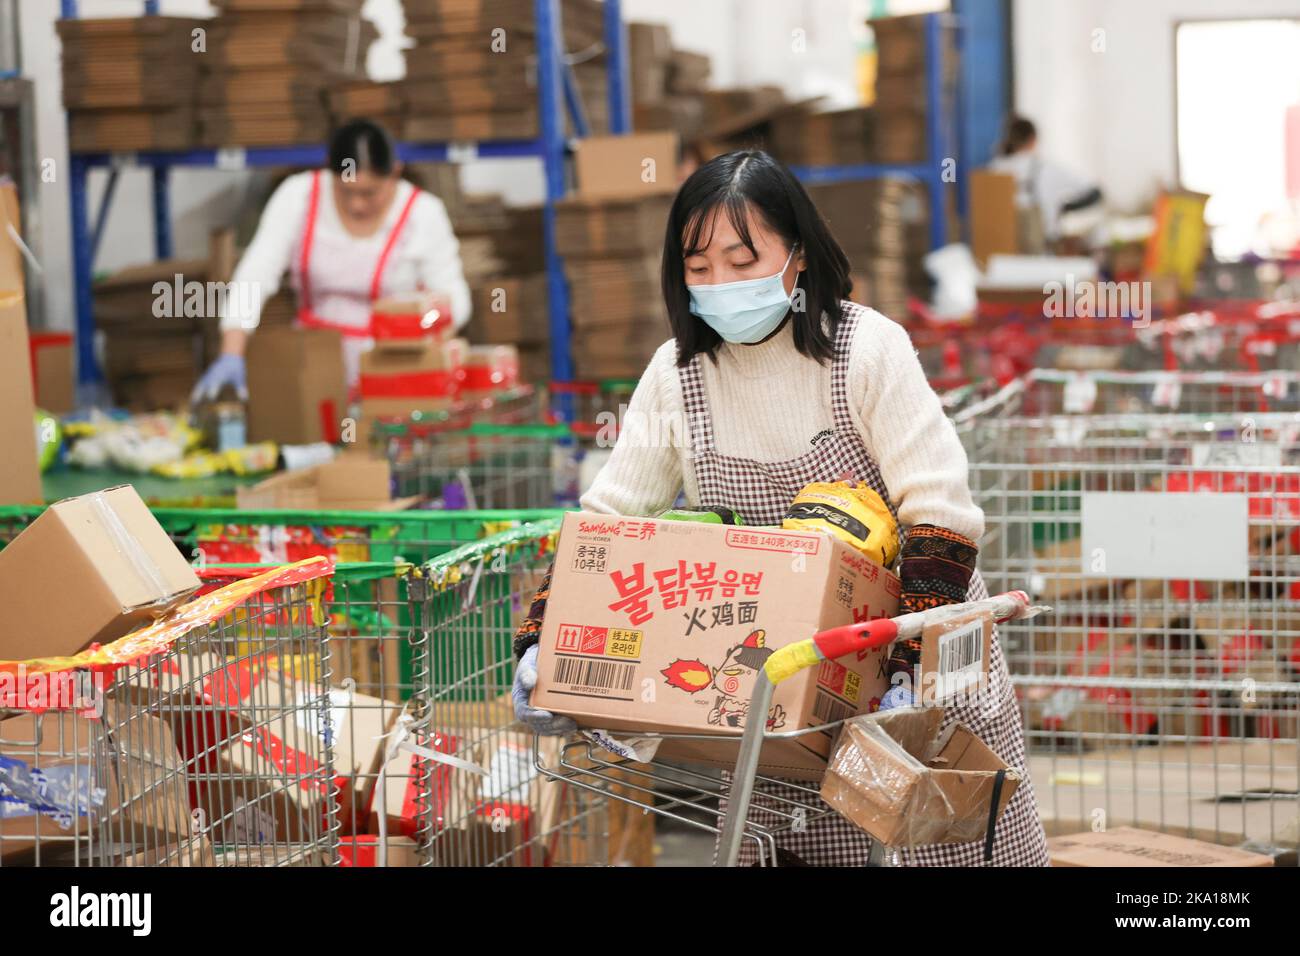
743 312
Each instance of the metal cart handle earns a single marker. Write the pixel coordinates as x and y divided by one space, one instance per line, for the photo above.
836 642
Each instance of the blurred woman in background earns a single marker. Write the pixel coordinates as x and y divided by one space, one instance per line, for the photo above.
347 235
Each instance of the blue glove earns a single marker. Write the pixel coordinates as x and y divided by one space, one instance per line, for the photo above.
539 721
228 369
897 696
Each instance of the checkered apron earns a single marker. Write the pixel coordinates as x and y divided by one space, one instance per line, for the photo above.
760 492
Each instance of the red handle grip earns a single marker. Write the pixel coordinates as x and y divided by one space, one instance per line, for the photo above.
851 638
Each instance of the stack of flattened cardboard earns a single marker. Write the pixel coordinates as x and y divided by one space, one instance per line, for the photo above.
270 65
866 218
154 342
471 73
901 101
835 138
650 53
508 281
610 234
129 82
611 252
160 324
385 103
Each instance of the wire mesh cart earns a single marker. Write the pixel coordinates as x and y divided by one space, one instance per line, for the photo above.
1159 513
201 740
726 805
483 465
469 792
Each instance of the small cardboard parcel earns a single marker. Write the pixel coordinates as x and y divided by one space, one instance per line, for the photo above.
88 569
905 781
663 626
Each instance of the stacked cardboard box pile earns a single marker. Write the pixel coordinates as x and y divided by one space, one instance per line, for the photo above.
385 103
153 344
667 84
901 102
866 218
836 138
160 324
129 83
611 252
471 74
270 65
508 282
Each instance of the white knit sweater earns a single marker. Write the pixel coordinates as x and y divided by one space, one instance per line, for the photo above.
768 403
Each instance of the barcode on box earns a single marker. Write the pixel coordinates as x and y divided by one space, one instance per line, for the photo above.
829 710
961 657
580 673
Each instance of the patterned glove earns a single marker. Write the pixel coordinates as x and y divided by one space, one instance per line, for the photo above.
530 630
935 566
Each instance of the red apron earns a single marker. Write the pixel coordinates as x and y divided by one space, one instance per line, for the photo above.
306 317
761 491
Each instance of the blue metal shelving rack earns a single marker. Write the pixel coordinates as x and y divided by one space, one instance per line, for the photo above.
942 119
556 89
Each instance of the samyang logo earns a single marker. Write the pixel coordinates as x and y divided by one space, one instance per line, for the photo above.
77 909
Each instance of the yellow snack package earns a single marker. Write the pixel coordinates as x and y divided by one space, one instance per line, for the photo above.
854 514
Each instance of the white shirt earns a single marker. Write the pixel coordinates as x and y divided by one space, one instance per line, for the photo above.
426 257
768 402
1042 183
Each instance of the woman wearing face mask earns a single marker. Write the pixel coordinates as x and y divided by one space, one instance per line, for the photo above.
347 235
774 380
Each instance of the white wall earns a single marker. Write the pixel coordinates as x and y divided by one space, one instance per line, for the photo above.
1110 114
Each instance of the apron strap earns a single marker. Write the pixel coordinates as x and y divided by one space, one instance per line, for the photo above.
698 418
392 241
840 407
998 780
304 256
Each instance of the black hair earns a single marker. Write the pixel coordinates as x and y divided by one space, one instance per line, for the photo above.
1020 133
739 182
364 143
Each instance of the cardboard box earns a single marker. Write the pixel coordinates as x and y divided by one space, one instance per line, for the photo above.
1129 846
20 479
662 626
626 167
900 779
992 214
122 569
119 776
351 482
54 371
413 320
297 387
489 369
423 372
622 227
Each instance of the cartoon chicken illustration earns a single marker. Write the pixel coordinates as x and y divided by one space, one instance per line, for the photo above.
733 681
